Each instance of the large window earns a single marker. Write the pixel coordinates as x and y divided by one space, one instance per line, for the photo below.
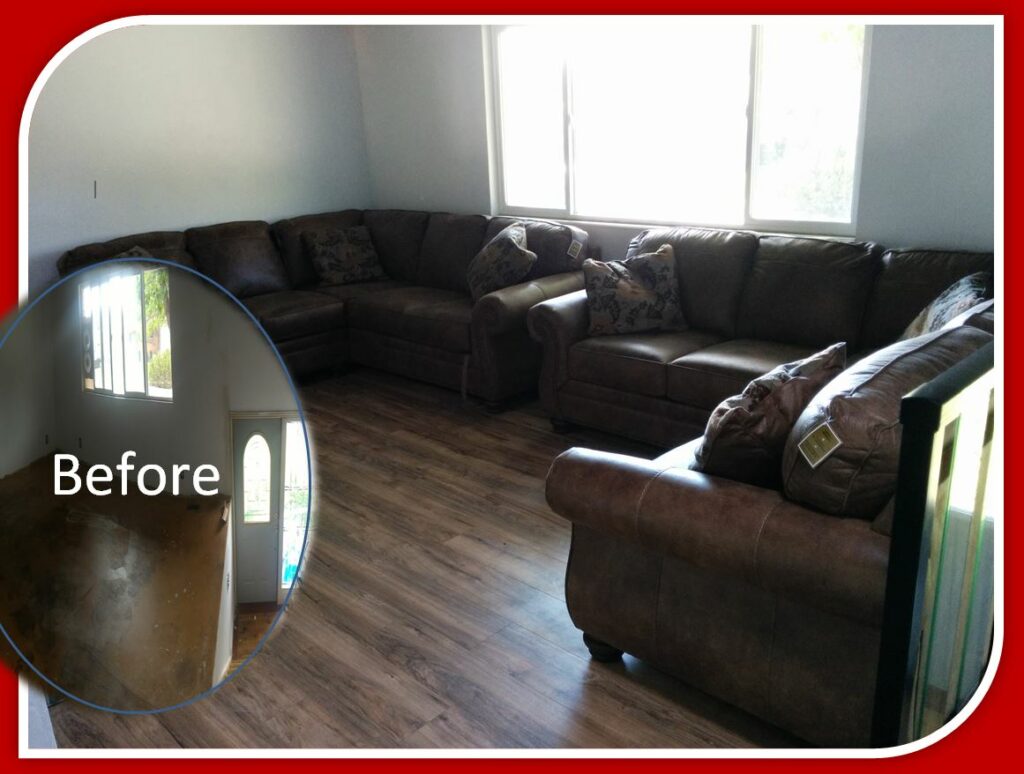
126 336
702 122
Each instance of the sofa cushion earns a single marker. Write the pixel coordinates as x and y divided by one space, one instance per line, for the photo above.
291 314
358 289
241 256
431 316
746 434
712 266
341 256
962 295
502 262
166 245
559 247
862 407
288 233
633 362
909 279
397 235
637 294
449 245
807 291
708 376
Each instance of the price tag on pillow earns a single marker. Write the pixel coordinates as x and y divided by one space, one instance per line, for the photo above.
575 248
819 444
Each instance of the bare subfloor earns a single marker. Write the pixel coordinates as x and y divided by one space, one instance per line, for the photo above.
432 609
114 598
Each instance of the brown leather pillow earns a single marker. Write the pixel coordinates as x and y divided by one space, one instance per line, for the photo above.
746 434
862 406
638 294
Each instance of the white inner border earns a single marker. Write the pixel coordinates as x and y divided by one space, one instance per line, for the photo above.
995 492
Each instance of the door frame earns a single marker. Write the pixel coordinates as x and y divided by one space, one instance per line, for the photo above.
284 416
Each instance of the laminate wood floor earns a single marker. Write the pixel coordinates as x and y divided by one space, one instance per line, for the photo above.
431 611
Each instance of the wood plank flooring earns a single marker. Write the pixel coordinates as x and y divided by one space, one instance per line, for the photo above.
431 611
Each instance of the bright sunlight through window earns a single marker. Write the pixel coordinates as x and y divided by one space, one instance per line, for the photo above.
702 122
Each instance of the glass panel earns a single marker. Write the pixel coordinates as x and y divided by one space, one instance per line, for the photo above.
88 354
158 332
256 481
296 501
112 307
807 115
659 120
134 340
532 117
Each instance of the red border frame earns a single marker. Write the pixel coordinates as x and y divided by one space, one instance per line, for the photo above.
38 32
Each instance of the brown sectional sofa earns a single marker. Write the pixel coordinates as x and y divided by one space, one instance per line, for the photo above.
422 322
751 303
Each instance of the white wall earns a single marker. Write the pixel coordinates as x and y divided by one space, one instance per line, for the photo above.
927 170
26 392
927 174
185 126
220 363
424 109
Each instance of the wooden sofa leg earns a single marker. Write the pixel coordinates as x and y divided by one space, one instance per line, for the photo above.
601 651
560 426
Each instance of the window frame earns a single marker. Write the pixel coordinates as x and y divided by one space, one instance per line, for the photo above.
122 271
841 229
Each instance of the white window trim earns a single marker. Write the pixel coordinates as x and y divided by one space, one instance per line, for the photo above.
844 229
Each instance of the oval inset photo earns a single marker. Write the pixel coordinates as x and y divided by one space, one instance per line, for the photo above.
154 486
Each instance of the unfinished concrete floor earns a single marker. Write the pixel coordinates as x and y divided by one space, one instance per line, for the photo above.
116 599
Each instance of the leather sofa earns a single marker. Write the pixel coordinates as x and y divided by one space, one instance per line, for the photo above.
422 322
745 592
751 302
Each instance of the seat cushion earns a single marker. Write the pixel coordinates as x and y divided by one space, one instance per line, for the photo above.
633 362
437 318
166 245
449 245
288 233
710 375
862 408
712 266
909 280
397 236
807 291
241 256
294 313
359 289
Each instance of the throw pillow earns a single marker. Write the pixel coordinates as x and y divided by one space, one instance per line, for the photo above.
953 301
341 256
746 434
637 294
135 252
502 262
861 409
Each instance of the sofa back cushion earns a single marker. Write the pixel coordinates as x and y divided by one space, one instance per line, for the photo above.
241 256
807 291
167 245
861 406
559 247
908 281
449 246
397 236
712 266
288 234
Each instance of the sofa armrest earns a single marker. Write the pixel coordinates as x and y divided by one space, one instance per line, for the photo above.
557 324
505 310
725 526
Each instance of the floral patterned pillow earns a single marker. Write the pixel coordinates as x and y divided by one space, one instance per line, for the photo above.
746 435
638 294
504 261
341 256
953 301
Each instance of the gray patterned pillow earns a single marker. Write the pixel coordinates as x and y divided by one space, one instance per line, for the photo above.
638 294
343 255
746 435
503 261
953 301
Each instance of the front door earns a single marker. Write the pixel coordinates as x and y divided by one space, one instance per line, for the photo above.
258 460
